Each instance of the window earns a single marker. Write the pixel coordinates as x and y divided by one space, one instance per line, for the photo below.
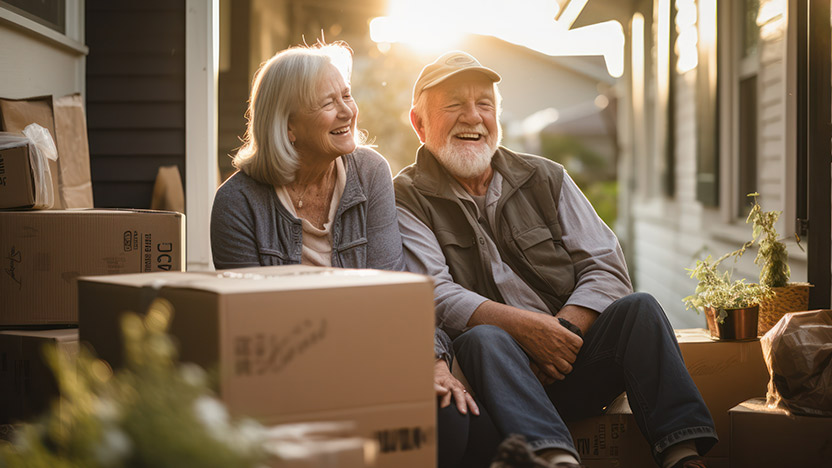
50 13
745 79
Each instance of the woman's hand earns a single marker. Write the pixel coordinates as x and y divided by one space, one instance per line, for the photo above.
447 386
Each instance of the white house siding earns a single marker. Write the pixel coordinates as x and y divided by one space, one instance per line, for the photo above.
665 231
36 65
668 233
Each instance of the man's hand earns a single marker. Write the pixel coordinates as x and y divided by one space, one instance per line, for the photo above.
552 348
447 386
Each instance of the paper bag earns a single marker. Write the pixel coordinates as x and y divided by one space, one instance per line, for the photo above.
798 354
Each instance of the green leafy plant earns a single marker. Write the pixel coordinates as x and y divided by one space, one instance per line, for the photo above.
152 413
772 256
717 291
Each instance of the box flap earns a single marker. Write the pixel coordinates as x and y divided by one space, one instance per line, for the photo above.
60 335
280 278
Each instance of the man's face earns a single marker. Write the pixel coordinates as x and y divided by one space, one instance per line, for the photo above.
459 123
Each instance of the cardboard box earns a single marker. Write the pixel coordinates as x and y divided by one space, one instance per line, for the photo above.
17 114
611 440
762 437
17 187
27 384
44 252
726 374
66 122
296 344
312 445
75 181
313 453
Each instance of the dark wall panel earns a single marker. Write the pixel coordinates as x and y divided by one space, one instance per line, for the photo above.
135 96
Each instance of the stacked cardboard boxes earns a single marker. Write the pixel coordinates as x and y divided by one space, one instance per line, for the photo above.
42 253
726 374
763 437
296 344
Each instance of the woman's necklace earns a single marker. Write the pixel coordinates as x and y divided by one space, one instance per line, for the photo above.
327 186
299 203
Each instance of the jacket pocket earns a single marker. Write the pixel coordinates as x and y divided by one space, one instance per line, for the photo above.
269 257
547 257
353 254
461 256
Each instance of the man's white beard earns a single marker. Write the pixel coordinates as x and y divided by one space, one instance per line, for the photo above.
465 163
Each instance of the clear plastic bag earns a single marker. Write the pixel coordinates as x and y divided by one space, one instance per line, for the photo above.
41 150
798 354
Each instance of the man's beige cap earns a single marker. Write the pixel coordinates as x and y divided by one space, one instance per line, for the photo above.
446 66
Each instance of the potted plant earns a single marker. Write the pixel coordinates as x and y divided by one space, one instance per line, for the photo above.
731 307
773 259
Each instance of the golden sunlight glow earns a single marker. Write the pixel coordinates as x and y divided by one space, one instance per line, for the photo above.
535 123
687 36
707 36
637 26
663 50
771 18
431 25
571 12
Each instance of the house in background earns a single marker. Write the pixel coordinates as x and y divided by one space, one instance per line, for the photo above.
712 113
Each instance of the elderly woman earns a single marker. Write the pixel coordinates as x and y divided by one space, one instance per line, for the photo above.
306 192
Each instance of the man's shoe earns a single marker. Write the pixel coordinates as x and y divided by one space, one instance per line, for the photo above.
514 452
691 462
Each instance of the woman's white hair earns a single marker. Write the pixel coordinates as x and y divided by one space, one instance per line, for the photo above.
283 85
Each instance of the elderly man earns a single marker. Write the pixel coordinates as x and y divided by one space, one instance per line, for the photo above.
531 284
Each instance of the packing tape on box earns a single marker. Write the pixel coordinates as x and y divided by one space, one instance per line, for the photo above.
41 149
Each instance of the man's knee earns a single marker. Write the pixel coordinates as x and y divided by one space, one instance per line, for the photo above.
485 339
640 305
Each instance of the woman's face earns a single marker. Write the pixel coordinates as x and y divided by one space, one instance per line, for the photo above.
327 130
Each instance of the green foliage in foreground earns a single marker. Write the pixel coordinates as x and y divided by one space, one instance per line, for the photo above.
153 413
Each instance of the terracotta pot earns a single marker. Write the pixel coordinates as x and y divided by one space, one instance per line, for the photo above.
740 324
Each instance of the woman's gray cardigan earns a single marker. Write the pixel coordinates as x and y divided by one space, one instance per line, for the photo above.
250 227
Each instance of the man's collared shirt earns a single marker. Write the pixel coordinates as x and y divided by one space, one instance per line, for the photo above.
585 236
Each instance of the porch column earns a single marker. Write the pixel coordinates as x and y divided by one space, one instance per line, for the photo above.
201 169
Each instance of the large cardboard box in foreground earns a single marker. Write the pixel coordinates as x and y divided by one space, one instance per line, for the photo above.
44 252
27 384
772 438
296 344
726 374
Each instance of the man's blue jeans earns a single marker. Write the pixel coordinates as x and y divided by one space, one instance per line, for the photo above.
631 346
